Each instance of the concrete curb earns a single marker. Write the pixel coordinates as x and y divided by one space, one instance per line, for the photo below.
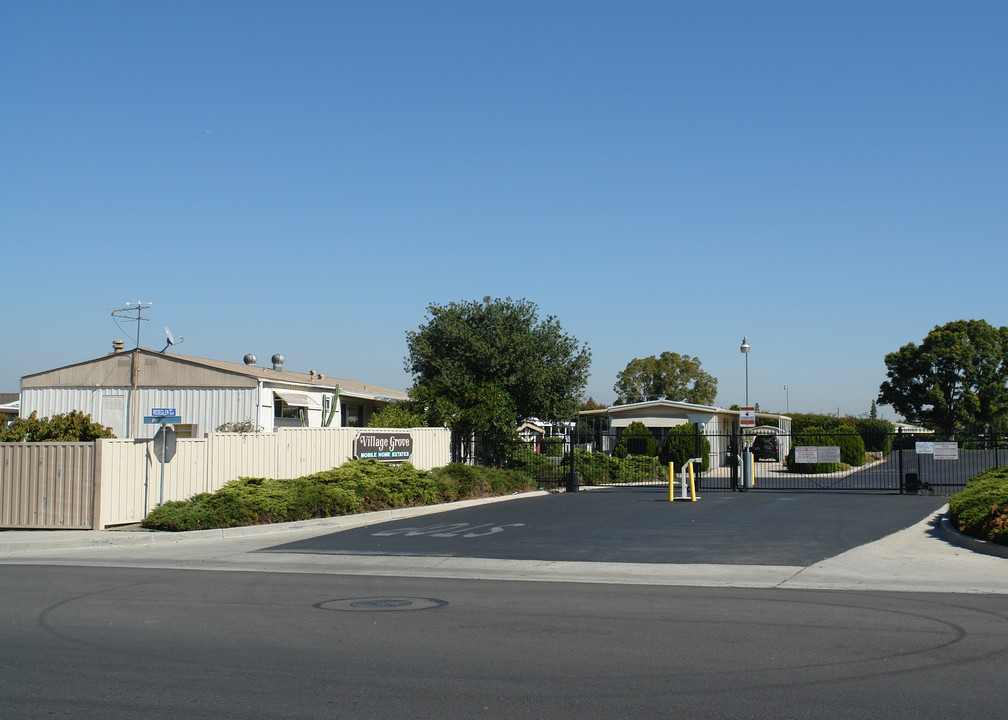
949 532
18 542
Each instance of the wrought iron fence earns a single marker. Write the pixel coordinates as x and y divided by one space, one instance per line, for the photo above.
836 460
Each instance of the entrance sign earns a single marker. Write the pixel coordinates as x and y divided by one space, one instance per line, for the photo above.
946 451
384 446
747 417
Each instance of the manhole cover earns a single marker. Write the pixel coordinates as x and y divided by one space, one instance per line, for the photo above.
381 604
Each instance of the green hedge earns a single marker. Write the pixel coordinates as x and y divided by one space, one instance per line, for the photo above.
680 445
877 435
636 430
981 509
597 468
356 486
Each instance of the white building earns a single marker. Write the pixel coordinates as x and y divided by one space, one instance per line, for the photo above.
122 388
718 425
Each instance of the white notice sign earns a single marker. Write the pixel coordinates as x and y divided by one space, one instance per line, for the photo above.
747 417
806 455
946 451
924 448
829 454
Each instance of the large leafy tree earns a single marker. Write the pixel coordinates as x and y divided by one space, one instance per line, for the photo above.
486 365
670 375
956 378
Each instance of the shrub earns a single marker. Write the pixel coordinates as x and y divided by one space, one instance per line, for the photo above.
596 468
636 440
680 445
852 447
553 446
356 486
877 434
74 426
816 437
236 426
981 509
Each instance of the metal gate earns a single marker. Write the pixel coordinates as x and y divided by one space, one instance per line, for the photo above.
901 463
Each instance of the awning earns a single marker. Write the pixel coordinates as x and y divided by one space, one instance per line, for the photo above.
299 399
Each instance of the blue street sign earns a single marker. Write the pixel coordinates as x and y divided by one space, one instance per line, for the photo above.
163 412
162 420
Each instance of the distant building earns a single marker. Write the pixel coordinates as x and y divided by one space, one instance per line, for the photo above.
10 404
122 388
718 425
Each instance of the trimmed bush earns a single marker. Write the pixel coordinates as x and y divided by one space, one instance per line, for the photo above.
816 437
553 446
357 486
981 509
852 447
680 445
877 434
636 440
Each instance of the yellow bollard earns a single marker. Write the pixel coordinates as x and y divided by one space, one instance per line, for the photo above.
671 480
692 484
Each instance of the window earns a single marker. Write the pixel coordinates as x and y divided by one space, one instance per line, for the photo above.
353 415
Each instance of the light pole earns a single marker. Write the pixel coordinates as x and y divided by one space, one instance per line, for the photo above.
745 351
787 403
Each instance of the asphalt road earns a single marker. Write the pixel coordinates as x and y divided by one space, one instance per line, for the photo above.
83 642
639 525
402 619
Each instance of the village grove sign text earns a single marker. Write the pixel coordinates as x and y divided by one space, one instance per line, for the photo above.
385 446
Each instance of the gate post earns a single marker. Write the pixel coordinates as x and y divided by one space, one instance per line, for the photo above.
736 443
899 443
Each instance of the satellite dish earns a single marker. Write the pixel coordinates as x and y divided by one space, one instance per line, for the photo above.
171 339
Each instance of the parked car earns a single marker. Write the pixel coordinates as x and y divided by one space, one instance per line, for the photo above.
765 446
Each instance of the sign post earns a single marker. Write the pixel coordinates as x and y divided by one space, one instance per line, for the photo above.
164 439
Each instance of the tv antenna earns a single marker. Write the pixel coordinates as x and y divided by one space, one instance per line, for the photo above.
171 340
127 312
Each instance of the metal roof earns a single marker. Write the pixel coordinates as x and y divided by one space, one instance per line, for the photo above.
270 376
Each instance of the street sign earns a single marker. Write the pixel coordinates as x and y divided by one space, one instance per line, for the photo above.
163 412
164 444
747 417
162 420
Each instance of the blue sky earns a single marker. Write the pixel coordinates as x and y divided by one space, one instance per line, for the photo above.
828 179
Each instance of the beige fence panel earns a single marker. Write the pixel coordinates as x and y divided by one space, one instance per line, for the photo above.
47 485
431 447
305 451
234 455
123 481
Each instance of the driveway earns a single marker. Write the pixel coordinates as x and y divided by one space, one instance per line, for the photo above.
640 525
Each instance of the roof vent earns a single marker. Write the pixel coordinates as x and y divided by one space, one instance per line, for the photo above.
278 360
250 359
117 346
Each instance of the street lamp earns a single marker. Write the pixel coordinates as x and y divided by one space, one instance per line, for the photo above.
787 404
745 351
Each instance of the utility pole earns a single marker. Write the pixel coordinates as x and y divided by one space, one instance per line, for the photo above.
127 312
